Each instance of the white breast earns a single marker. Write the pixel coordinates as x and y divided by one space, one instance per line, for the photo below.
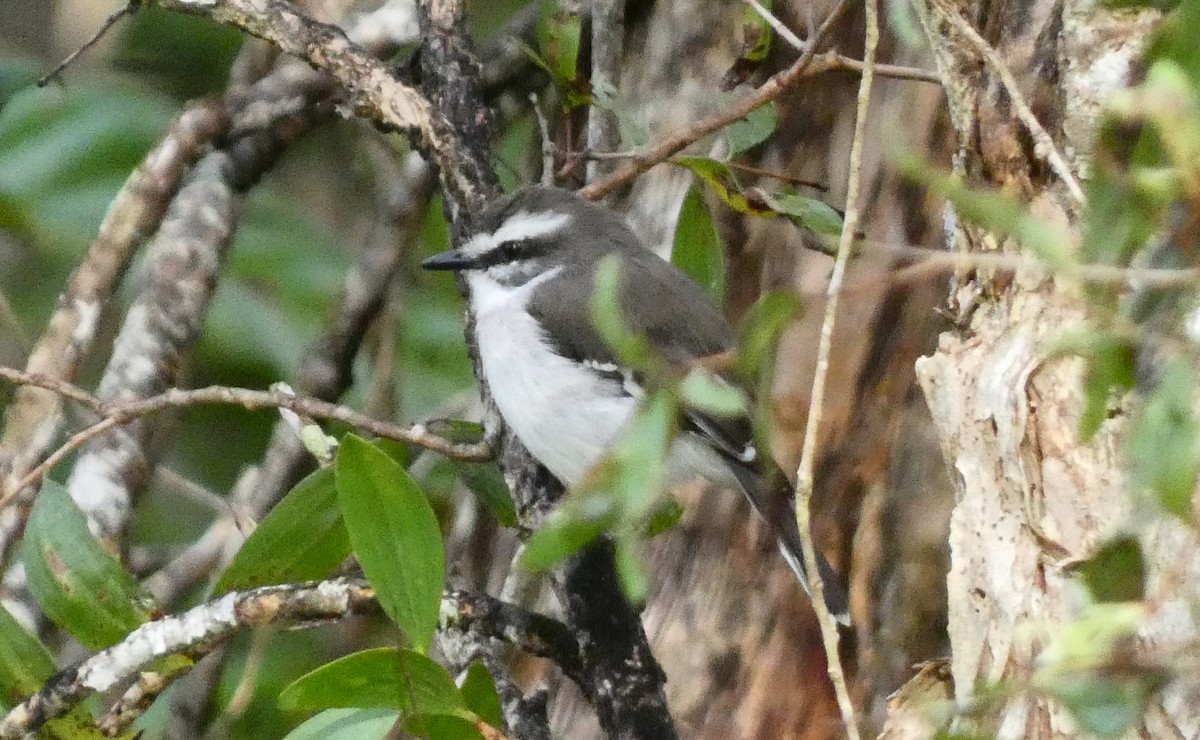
566 415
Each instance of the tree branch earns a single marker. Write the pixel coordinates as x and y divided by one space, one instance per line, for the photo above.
200 629
804 473
117 414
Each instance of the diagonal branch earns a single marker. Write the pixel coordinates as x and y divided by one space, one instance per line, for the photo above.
202 628
370 88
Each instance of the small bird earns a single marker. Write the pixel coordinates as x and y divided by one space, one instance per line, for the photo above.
531 265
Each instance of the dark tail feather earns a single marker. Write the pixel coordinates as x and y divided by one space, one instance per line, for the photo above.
775 505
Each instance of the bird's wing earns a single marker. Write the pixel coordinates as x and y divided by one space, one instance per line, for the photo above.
652 294
663 305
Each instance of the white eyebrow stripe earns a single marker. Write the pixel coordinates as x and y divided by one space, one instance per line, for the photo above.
521 225
525 225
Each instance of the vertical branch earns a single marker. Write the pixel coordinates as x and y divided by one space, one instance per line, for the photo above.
451 77
621 676
608 41
804 474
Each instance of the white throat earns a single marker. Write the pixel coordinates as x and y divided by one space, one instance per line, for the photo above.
489 295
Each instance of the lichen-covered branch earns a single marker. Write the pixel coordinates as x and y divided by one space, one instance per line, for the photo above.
370 88
201 628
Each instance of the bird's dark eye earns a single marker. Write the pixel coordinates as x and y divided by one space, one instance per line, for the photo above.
510 250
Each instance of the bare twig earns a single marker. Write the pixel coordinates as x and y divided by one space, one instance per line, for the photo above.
804 473
116 414
1043 143
370 87
832 60
183 263
547 142
198 630
138 698
325 374
740 166
673 143
786 33
128 9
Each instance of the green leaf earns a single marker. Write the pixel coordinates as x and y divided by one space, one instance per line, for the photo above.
302 539
634 470
479 693
754 129
761 327
621 493
757 33
1102 706
25 663
558 32
1164 444
807 213
25 666
720 177
998 212
487 483
665 517
697 249
1117 572
16 74
630 571
632 349
712 395
346 724
382 678
78 583
1110 366
578 521
395 536
443 727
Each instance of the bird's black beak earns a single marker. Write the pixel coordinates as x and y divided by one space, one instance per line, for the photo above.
449 260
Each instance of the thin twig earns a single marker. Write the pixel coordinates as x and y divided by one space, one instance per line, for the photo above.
676 141
804 474
1044 144
750 169
781 29
116 414
128 9
547 143
832 60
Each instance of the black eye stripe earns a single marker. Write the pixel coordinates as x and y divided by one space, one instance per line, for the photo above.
513 250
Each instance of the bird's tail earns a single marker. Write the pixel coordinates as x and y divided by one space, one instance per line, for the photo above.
775 503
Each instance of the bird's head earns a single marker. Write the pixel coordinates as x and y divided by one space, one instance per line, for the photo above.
531 232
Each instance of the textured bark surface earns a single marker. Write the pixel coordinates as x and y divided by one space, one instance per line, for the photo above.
1031 497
